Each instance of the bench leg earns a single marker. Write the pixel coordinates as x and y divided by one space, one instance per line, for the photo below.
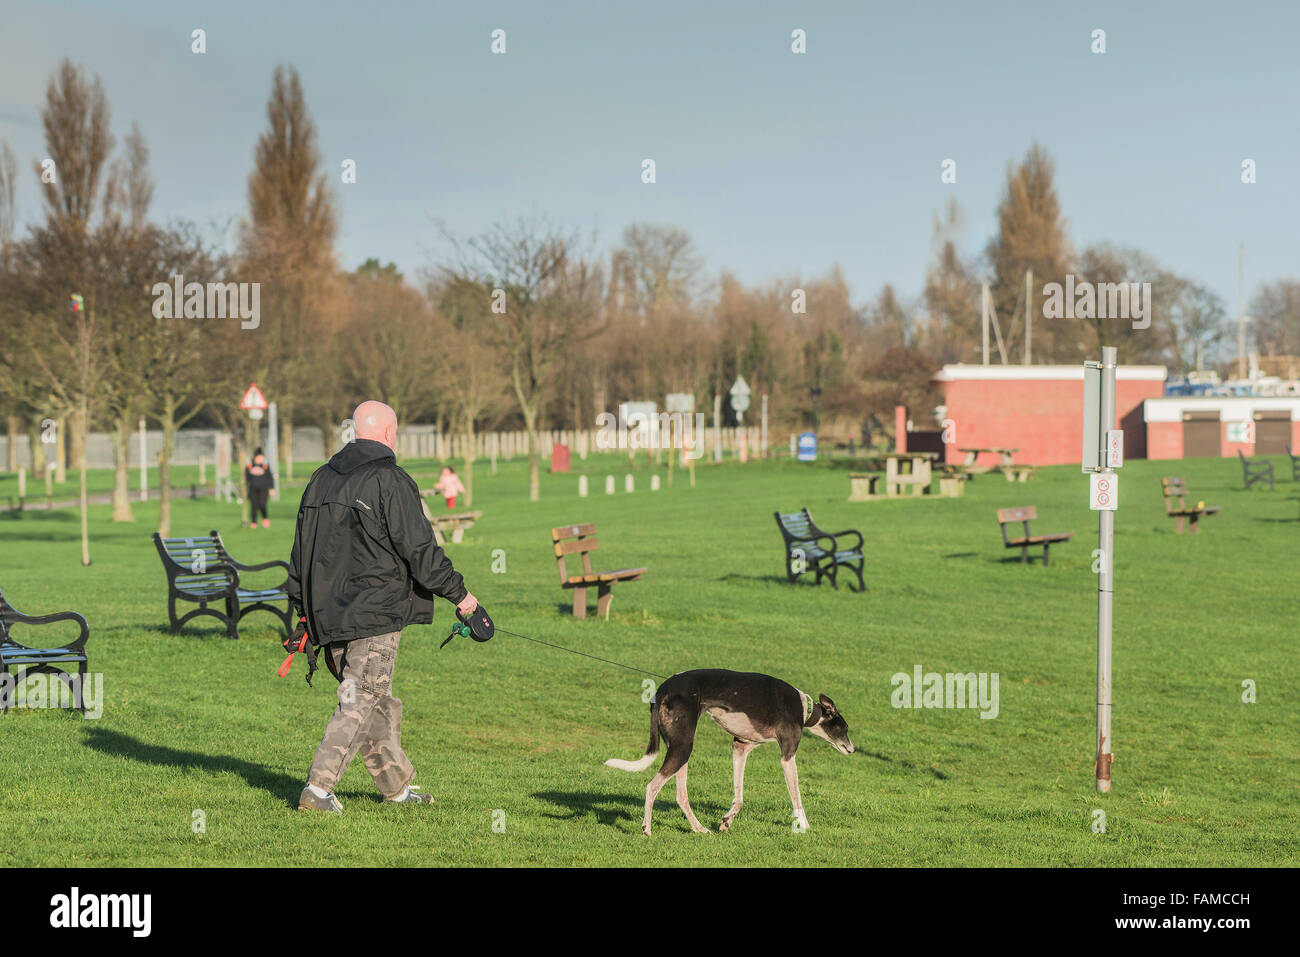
604 595
457 535
232 618
579 603
1024 554
1178 524
1046 548
1196 527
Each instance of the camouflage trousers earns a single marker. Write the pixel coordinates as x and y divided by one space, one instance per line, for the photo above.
368 718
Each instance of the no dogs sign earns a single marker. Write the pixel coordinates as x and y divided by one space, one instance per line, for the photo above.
1103 494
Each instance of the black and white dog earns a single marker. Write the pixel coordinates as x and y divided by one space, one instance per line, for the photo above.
753 709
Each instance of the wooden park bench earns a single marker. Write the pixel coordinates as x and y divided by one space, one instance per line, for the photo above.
809 549
455 523
1176 489
571 539
34 660
1026 514
201 571
1256 470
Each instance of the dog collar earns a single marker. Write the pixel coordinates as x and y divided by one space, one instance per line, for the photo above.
807 708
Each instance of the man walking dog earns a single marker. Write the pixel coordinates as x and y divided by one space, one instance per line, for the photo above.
364 566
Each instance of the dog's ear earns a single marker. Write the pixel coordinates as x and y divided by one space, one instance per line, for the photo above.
827 704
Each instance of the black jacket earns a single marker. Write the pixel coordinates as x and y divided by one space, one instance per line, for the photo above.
258 477
364 559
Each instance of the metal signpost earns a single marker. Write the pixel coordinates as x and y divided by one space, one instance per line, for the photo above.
254 403
1103 453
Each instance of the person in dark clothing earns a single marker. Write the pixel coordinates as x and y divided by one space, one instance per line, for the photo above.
364 566
260 480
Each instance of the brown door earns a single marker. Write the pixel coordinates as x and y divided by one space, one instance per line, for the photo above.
1202 435
1272 432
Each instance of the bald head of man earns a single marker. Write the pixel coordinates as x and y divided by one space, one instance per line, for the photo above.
376 421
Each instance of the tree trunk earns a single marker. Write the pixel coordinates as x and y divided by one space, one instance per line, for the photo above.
534 464
83 418
122 469
286 448
11 449
469 461
76 428
329 438
251 432
36 450
165 466
63 441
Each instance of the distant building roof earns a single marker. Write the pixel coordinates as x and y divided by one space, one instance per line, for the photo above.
963 372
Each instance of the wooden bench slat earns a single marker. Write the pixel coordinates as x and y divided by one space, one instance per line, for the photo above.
572 531
579 539
576 545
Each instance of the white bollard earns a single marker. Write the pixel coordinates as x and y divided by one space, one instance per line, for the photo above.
654 483
609 485
582 486
628 483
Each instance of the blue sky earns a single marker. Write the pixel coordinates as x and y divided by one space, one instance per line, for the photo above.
776 164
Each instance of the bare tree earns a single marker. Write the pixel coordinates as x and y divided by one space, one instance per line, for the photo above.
287 244
1031 236
551 293
388 347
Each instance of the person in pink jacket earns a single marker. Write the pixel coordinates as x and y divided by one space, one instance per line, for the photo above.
449 485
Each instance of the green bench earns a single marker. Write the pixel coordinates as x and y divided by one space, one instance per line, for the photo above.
201 572
33 660
810 549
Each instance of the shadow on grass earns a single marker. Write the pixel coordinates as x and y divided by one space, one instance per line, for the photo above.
803 582
609 809
42 526
907 765
118 745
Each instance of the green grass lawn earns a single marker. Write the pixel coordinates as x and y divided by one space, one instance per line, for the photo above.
196 722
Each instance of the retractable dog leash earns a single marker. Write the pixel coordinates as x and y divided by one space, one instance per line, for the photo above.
478 625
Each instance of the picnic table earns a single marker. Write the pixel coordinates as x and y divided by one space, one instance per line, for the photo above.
908 470
1005 458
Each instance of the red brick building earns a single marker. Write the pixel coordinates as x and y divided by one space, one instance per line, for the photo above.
1180 427
1038 410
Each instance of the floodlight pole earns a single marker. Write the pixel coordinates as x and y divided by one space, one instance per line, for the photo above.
1105 583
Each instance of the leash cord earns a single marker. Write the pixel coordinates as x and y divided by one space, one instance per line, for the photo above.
583 653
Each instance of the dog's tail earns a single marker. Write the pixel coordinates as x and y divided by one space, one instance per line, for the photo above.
651 751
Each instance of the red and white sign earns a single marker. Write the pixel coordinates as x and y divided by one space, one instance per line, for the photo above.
1103 492
1114 448
253 399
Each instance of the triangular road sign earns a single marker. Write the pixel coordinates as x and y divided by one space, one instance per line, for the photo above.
253 399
